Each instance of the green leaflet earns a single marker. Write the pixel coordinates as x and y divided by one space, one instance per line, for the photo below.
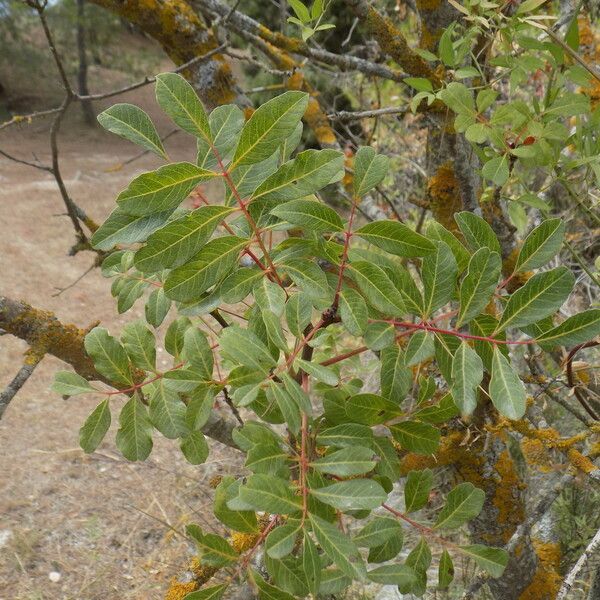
577 329
167 412
396 238
71 384
225 123
445 571
395 377
369 170
370 409
438 273
246 348
311 564
417 488
269 296
134 438
491 560
133 124
280 542
307 173
393 575
121 228
506 389
541 296
323 374
243 521
195 448
479 284
206 269
467 373
310 214
163 189
271 494
436 231
239 284
353 494
350 434
463 503
353 311
266 591
420 347
95 427
377 532
477 232
308 277
379 336
179 100
338 547
541 245
178 241
298 311
214 550
139 344
197 352
268 127
496 170
421 438
344 463
377 288
110 358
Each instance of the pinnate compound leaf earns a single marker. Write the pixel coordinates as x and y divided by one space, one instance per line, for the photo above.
467 373
369 170
269 126
339 548
479 284
577 329
68 383
178 241
463 503
310 214
206 269
179 100
134 438
133 124
95 427
506 389
541 245
110 358
491 560
540 297
396 238
163 189
417 488
353 494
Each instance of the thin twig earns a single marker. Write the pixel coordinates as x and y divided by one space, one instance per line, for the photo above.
18 381
345 115
591 549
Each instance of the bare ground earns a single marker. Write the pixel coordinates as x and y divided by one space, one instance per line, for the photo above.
105 525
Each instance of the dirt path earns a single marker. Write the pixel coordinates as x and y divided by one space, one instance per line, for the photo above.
99 522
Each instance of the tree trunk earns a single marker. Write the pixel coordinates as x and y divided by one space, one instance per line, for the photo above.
82 72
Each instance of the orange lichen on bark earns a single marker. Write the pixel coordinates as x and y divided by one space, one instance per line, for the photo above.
536 455
547 579
443 190
178 590
392 42
511 509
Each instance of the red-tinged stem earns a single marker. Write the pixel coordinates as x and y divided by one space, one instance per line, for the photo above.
137 386
340 357
347 235
229 230
468 336
261 538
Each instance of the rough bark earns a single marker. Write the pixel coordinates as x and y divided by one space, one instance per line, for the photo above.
183 36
